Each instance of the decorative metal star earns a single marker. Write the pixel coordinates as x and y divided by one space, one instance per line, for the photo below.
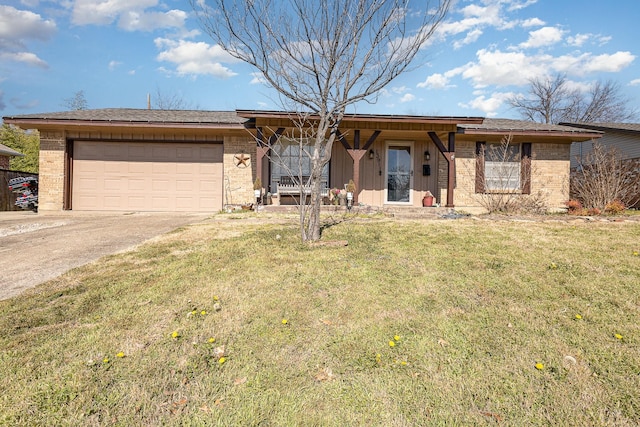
241 160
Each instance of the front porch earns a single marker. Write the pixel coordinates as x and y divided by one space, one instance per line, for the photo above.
402 212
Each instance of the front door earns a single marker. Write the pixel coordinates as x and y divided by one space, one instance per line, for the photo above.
399 173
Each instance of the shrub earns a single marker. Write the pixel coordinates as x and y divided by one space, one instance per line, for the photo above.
575 207
615 207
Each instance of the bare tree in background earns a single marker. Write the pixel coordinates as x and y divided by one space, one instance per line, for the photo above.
552 100
170 101
76 102
322 56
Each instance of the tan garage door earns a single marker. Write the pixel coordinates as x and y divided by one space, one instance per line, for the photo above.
147 176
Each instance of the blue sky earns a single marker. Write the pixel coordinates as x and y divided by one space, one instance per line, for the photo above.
118 51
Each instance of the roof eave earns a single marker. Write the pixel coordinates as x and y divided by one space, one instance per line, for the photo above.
253 114
68 123
522 132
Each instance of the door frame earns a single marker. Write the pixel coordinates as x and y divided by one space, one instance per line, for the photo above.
399 143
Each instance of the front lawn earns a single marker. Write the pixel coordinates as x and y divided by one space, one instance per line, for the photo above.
235 322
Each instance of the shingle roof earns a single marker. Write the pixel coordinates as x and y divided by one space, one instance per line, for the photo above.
609 126
509 125
130 115
6 151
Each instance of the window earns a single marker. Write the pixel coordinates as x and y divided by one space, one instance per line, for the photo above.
291 159
503 167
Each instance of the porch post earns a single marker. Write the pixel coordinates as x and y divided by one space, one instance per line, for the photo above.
356 155
449 153
451 160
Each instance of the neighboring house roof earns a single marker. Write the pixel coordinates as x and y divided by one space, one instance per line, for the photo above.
608 127
6 151
131 116
523 127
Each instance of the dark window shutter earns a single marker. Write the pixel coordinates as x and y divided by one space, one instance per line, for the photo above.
525 168
480 147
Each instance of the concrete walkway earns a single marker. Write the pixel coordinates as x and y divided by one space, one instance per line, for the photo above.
35 248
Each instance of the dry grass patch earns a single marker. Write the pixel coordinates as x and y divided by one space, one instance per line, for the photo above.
434 323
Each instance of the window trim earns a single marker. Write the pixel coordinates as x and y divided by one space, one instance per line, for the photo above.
525 149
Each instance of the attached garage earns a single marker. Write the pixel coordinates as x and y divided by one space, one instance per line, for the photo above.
146 176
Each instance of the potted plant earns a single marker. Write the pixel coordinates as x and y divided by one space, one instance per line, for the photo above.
334 196
427 200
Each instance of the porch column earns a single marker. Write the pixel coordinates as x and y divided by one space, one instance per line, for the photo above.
261 152
449 154
356 155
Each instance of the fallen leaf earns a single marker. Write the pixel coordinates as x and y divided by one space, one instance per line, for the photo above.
324 375
240 381
443 343
180 402
491 415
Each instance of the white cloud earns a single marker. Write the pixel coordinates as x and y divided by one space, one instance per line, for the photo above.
25 58
407 97
545 36
602 40
532 22
19 25
113 65
132 15
257 78
502 68
579 39
490 105
471 37
608 63
139 21
520 4
195 58
399 89
634 82
435 81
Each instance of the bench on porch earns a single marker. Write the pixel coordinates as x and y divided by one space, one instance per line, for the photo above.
289 186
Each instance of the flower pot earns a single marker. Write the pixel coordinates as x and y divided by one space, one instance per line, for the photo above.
427 201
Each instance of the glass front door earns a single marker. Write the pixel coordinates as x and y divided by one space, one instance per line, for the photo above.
399 173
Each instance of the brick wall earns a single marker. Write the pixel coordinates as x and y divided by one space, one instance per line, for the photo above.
238 181
51 179
4 162
549 175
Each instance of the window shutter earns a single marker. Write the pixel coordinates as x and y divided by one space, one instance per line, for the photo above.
480 146
525 168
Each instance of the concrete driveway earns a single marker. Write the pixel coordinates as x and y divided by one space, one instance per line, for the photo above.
35 248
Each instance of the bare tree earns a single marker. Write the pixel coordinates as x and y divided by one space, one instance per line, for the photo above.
604 176
76 102
551 100
322 56
171 101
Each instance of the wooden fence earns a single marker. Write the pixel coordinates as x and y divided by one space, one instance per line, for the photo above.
8 198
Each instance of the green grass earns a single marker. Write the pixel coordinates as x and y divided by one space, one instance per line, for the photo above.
476 305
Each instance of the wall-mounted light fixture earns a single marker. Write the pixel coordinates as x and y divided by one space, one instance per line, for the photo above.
371 154
427 156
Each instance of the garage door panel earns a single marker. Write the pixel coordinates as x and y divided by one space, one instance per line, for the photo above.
147 176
